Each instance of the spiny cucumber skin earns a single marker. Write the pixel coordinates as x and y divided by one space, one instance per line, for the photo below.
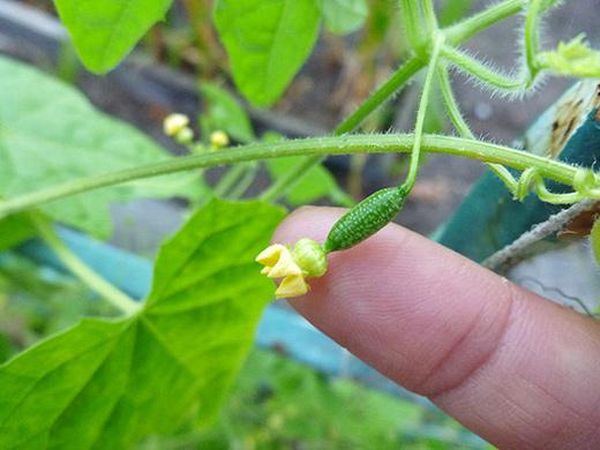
365 219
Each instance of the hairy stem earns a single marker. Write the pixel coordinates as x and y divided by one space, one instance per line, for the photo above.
314 147
473 67
430 17
94 281
421 114
531 37
463 128
462 31
451 103
411 20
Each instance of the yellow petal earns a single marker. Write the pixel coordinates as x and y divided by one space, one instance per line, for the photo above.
292 286
285 266
270 255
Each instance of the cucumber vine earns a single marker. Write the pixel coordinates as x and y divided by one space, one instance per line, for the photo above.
437 50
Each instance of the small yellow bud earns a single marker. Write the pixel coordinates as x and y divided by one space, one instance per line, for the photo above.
185 136
175 123
219 139
306 260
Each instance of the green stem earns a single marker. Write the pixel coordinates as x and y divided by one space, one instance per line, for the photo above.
314 147
229 179
463 31
245 181
452 107
98 284
384 92
463 128
411 19
421 115
556 199
430 17
404 73
531 37
479 70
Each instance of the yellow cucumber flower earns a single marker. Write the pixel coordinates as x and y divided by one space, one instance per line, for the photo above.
307 259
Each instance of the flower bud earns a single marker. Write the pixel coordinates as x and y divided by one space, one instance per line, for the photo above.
311 257
185 136
218 140
175 123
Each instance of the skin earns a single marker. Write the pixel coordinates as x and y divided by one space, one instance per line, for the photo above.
518 370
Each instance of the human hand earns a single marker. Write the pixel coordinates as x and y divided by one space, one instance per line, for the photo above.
516 369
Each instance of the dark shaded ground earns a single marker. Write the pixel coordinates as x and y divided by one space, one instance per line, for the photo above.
443 181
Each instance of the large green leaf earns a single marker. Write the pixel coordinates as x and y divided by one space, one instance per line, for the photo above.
267 42
344 16
49 133
103 32
106 383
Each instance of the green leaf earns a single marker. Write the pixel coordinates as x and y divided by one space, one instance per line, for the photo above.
107 383
5 347
267 42
344 16
49 133
573 58
14 230
222 112
104 32
315 184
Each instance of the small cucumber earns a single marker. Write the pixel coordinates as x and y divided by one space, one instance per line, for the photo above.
365 219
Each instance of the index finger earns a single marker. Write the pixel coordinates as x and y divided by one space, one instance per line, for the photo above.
513 367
